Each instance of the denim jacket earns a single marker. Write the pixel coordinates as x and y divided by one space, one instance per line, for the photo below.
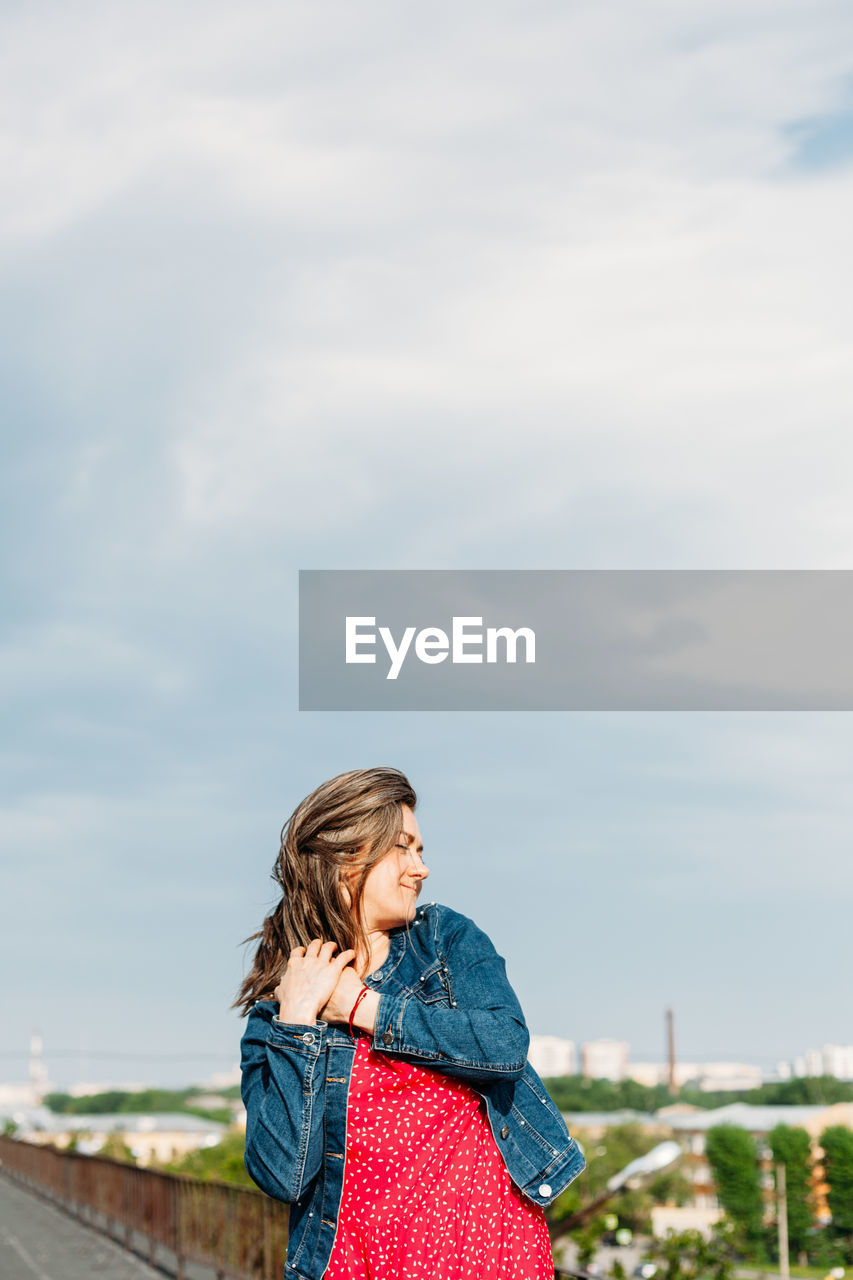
445 1003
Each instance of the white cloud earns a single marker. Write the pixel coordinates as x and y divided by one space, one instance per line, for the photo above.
45 658
518 283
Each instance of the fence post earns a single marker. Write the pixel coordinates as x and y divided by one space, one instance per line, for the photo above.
177 1239
127 1200
153 1206
268 1259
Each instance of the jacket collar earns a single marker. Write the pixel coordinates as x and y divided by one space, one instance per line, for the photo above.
399 941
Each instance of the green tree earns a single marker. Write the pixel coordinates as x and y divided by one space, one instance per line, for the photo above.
609 1154
222 1163
115 1148
123 1102
803 1091
733 1158
825 1251
587 1239
791 1146
686 1255
580 1093
837 1143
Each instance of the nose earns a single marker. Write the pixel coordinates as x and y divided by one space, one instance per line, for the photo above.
417 867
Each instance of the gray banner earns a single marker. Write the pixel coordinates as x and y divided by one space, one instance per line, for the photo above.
575 640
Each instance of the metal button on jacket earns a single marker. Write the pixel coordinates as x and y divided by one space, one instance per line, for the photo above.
387 1036
545 1189
505 1131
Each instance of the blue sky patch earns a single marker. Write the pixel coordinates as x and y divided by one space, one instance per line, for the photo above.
823 142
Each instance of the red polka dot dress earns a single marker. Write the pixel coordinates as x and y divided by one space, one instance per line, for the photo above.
426 1194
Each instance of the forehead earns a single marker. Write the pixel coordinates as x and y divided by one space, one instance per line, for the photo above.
409 819
410 827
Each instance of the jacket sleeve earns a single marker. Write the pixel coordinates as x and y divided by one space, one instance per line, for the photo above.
282 1089
482 1035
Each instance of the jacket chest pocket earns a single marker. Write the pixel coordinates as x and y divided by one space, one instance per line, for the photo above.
432 985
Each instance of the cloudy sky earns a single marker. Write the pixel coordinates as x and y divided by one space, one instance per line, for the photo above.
540 285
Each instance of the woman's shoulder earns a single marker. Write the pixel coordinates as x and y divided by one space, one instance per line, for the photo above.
438 913
450 925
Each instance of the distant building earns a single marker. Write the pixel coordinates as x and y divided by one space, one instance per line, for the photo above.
594 1124
38 1071
88 1088
832 1060
688 1217
605 1059
838 1060
153 1138
224 1079
15 1096
708 1076
809 1064
551 1056
649 1074
713 1076
21 1094
691 1128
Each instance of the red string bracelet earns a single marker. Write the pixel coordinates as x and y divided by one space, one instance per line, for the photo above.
362 993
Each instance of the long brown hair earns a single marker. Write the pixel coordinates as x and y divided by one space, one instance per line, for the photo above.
356 813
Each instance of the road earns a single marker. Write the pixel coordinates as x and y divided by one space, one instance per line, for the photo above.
629 1255
38 1242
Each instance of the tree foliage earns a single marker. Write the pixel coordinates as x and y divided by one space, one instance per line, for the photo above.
803 1091
791 1146
222 1163
837 1143
116 1148
579 1093
125 1102
610 1154
687 1255
733 1157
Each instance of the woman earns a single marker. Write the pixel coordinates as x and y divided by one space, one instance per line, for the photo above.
388 1098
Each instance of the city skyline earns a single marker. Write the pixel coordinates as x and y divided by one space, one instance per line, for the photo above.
576 1057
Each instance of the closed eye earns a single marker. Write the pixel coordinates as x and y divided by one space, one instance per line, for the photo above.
407 848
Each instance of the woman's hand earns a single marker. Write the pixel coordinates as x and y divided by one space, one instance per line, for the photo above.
342 1001
312 974
339 1005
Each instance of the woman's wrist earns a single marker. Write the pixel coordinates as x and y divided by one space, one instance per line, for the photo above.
299 1015
365 1015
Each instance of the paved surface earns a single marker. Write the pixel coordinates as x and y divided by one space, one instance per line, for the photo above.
38 1242
630 1255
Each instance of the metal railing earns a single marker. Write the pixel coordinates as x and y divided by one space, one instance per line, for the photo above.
239 1233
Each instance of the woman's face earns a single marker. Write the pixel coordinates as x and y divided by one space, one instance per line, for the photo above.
393 884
